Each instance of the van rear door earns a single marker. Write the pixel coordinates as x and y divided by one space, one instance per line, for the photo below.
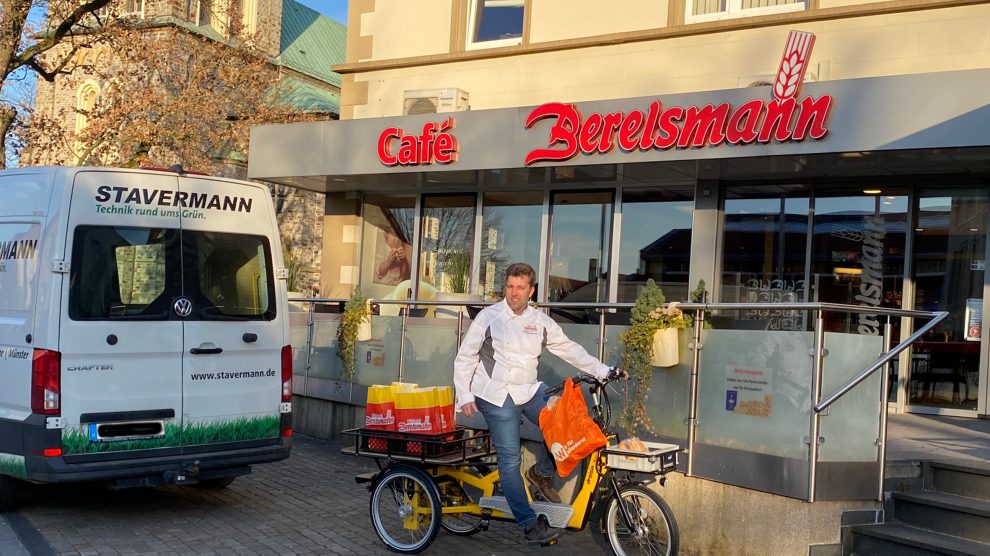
234 334
121 345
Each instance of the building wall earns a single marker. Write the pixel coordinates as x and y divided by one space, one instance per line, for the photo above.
665 60
410 28
554 20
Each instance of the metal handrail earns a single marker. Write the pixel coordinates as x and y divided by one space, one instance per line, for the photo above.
938 316
819 404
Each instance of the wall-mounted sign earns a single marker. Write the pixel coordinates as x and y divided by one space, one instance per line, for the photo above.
435 143
783 118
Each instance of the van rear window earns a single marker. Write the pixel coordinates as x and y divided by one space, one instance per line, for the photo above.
120 272
136 273
233 274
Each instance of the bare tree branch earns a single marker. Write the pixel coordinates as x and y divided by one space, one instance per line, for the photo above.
54 38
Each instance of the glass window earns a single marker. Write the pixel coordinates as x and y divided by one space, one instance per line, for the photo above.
447 244
580 228
19 252
135 273
510 234
119 272
587 173
764 250
86 98
709 10
386 251
949 266
133 7
857 254
655 241
204 12
233 274
494 23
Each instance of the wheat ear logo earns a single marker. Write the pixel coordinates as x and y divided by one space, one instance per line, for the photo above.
793 65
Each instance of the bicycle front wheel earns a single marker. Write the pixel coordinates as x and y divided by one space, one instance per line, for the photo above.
405 509
651 529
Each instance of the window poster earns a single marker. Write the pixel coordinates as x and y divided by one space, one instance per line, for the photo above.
748 391
974 320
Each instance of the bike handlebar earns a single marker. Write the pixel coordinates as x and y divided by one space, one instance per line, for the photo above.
613 375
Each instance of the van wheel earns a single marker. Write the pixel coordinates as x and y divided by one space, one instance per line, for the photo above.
215 484
9 493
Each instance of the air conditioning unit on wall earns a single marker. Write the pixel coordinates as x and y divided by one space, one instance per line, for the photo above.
433 101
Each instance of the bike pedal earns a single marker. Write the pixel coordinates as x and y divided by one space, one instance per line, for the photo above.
550 542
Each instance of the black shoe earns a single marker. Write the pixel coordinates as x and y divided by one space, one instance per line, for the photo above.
540 532
543 485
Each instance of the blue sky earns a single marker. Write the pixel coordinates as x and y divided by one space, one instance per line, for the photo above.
335 9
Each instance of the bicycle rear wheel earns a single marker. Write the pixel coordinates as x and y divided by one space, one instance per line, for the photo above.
405 509
652 529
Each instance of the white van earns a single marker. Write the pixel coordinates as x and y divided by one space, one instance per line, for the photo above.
143 329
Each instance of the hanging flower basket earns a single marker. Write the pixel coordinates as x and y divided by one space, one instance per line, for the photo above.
665 345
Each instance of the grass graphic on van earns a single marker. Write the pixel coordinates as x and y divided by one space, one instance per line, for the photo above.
76 440
12 465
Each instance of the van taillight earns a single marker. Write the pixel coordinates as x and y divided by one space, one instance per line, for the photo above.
286 373
45 382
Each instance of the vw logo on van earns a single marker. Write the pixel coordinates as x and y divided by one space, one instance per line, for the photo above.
182 307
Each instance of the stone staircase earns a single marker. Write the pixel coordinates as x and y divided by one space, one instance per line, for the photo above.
944 510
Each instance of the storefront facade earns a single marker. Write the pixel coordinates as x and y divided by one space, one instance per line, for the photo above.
870 189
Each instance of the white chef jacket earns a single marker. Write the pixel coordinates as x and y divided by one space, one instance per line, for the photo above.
501 349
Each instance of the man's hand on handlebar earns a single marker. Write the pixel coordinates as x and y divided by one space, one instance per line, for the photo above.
617 374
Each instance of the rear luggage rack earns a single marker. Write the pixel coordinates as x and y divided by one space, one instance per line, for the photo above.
461 444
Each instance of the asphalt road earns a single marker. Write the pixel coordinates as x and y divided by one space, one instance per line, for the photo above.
307 504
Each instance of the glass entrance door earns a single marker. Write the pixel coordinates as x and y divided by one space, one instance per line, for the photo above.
949 258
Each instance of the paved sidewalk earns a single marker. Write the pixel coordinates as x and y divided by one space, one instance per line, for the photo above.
310 504
10 544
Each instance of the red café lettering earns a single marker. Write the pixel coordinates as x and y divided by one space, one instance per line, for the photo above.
434 144
757 121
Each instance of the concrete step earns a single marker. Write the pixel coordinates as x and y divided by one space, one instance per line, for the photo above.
903 476
895 539
970 479
951 514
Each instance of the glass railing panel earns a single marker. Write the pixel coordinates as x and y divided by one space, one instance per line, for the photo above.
754 409
430 347
754 391
851 428
670 394
848 458
551 369
378 358
323 360
299 340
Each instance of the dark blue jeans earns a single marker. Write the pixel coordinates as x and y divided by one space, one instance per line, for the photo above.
503 424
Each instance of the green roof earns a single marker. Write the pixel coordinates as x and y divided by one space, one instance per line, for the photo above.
311 42
307 97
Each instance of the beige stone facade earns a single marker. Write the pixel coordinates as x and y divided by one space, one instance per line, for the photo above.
581 50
